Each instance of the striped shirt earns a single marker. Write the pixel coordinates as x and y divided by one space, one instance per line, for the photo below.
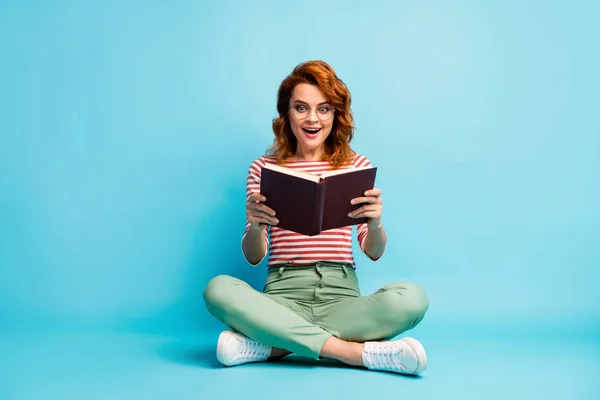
289 247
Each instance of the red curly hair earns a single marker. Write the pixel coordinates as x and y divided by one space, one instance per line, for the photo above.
337 145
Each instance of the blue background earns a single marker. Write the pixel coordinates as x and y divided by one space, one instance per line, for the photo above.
127 128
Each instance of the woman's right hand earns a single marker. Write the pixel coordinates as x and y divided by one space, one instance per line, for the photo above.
259 214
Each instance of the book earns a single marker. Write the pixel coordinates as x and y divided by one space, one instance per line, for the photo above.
309 204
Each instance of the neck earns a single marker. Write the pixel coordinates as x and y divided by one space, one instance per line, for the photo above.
308 155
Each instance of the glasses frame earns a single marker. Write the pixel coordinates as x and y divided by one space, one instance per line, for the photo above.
310 111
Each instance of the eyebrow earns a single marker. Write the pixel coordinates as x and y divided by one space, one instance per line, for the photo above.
320 104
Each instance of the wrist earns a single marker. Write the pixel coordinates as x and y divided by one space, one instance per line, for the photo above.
375 224
257 228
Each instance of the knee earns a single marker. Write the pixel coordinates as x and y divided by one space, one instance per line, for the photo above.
216 292
406 299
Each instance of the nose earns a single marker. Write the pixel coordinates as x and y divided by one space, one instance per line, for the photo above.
312 115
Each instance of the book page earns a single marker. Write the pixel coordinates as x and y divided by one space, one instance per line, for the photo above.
343 171
292 172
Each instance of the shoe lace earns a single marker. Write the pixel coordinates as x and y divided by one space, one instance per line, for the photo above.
253 350
385 355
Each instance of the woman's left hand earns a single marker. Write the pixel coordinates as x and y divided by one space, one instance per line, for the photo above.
372 208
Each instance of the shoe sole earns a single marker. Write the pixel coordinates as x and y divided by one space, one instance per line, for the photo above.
419 351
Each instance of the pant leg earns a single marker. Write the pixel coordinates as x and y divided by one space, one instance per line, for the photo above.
393 309
274 322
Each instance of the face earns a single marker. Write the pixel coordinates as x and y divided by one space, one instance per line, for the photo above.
309 118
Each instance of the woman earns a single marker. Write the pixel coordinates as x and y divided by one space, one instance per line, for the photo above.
311 304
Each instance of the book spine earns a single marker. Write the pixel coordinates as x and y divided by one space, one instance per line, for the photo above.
319 207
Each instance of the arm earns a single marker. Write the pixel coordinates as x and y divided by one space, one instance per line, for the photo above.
258 217
254 245
375 241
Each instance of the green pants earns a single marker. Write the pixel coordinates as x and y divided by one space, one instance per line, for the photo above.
301 307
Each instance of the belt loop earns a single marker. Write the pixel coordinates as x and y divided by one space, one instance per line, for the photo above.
345 271
281 271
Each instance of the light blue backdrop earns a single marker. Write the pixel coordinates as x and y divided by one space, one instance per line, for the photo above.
127 127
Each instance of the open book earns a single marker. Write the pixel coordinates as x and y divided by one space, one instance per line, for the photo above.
309 204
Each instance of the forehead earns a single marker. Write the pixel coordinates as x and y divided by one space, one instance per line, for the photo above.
310 94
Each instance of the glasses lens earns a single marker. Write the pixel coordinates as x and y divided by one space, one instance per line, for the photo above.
300 112
323 112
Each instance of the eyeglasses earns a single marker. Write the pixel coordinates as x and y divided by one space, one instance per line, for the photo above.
302 111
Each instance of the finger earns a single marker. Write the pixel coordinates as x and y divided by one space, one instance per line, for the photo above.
268 210
365 208
267 221
370 199
259 215
373 192
360 200
369 214
261 207
260 222
359 213
270 221
257 197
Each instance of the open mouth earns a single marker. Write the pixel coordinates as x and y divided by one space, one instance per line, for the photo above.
311 132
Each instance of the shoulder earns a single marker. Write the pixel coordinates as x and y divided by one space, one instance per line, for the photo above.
256 165
360 161
261 162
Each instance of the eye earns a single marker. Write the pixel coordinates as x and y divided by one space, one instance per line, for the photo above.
324 109
301 108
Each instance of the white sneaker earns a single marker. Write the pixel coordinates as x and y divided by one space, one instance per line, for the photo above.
405 356
233 348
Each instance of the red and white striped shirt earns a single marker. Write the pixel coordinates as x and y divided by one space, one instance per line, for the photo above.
297 249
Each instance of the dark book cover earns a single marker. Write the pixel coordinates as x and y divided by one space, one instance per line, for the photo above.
307 204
